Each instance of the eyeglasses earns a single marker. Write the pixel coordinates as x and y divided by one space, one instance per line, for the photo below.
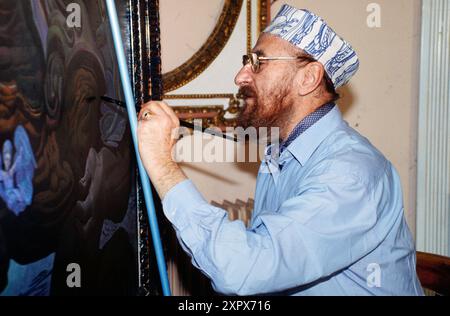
255 60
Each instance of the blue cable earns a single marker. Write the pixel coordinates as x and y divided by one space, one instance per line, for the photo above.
126 85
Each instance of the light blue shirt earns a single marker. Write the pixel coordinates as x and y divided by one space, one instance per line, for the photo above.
329 222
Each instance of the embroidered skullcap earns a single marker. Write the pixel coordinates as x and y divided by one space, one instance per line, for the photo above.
309 32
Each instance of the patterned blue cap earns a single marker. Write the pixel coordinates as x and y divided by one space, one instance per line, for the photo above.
309 32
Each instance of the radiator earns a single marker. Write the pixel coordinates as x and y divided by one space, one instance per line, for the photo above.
433 173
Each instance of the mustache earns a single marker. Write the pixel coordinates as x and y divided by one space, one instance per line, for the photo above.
247 92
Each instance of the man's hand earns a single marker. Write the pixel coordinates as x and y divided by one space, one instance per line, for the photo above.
157 126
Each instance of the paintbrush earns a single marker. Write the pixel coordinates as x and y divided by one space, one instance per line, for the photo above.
182 123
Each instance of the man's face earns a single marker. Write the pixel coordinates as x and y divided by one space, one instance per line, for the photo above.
267 94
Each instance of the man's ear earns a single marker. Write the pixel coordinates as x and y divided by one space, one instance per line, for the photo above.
309 78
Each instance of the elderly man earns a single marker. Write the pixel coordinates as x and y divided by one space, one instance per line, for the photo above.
328 216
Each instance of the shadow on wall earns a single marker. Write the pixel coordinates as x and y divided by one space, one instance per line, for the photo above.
206 173
249 167
347 99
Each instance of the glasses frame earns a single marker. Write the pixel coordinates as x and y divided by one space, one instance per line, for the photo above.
255 61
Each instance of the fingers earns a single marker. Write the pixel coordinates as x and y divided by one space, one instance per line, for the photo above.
158 109
169 111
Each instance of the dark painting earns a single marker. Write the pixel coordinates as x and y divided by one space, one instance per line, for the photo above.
67 178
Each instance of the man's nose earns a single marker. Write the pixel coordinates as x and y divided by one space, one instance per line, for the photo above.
244 76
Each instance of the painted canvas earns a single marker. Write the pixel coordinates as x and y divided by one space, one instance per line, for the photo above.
68 209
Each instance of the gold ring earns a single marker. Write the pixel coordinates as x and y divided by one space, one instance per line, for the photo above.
146 115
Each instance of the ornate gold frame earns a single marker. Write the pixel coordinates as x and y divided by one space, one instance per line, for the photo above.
211 115
215 43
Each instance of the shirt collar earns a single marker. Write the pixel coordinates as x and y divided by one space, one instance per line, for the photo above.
304 145
305 124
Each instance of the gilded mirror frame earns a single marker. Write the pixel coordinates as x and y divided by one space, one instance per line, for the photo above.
214 44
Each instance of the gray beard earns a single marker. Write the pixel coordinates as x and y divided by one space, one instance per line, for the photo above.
278 116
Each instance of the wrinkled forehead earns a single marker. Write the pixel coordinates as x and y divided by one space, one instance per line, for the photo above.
271 45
